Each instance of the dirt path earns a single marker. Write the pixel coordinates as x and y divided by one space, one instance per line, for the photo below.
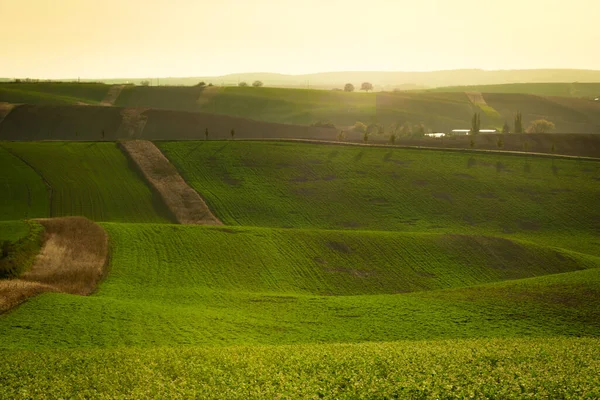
73 260
207 94
112 95
476 98
184 202
5 109
133 122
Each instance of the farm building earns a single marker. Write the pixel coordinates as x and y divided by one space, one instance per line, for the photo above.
463 132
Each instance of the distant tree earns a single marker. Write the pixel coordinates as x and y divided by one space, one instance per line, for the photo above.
540 126
518 122
359 127
393 137
366 86
341 136
406 130
210 84
366 135
232 134
500 143
419 130
349 87
206 134
242 84
475 124
102 134
506 128
201 84
145 83
257 84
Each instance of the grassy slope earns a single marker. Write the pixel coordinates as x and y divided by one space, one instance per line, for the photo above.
176 285
540 89
53 93
92 180
24 194
26 242
335 187
438 110
13 230
507 368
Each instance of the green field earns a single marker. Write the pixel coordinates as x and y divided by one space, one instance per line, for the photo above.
53 93
176 285
341 272
13 230
576 89
502 369
92 180
24 194
335 187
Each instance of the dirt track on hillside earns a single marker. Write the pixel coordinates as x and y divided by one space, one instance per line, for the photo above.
184 202
73 260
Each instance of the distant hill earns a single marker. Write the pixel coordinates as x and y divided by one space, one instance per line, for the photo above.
562 89
382 79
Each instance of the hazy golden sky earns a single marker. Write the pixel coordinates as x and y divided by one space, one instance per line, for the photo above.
152 38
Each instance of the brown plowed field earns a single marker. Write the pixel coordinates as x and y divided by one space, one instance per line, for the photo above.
28 122
73 259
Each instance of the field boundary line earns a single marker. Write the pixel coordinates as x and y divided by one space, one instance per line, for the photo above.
186 205
49 187
402 146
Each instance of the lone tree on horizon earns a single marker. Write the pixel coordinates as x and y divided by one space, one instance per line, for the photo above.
366 86
518 122
257 84
349 87
475 124
242 84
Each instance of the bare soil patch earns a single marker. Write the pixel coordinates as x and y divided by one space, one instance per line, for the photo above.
184 202
338 246
443 196
5 108
73 260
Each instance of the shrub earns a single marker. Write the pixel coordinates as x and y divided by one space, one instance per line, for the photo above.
359 127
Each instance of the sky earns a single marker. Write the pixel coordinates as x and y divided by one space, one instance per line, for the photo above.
54 39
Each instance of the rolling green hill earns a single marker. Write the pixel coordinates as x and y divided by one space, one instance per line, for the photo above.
90 179
24 194
342 272
53 93
186 285
339 187
576 89
438 111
